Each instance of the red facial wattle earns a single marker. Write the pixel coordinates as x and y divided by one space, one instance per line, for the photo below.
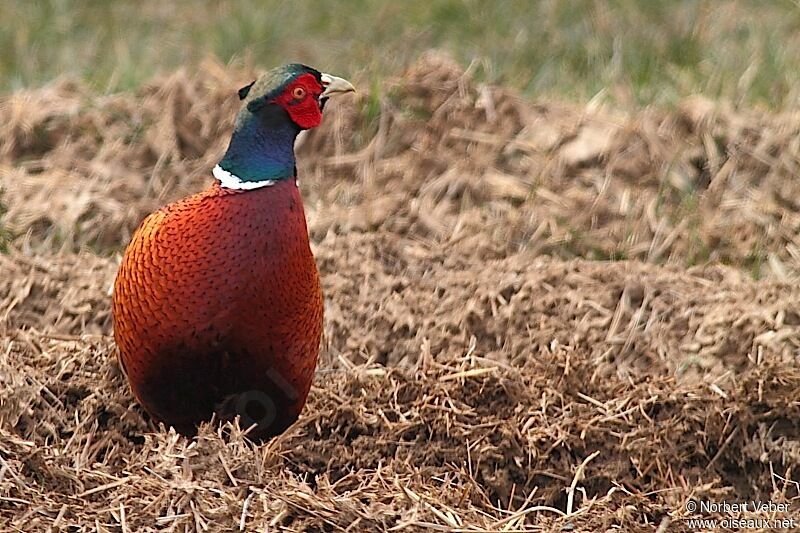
301 101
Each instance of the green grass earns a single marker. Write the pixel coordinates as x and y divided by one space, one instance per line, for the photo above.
635 51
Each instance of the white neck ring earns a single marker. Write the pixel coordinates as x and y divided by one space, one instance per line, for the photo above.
232 181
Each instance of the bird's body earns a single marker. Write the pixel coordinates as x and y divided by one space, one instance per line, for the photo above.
217 304
220 296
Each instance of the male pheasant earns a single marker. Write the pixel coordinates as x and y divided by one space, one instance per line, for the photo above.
217 304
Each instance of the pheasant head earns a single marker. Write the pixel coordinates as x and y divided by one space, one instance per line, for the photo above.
276 107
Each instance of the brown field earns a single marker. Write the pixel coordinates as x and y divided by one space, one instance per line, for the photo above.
538 315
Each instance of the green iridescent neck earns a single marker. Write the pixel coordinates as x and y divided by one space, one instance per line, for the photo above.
262 146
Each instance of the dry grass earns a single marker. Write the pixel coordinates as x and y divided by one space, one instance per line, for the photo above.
476 376
435 157
682 384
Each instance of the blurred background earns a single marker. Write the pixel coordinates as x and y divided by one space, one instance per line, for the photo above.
627 129
634 51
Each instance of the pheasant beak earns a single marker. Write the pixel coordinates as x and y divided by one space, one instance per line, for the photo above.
334 85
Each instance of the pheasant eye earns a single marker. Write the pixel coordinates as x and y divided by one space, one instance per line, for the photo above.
298 93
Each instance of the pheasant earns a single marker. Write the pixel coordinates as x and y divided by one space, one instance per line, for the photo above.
217 305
